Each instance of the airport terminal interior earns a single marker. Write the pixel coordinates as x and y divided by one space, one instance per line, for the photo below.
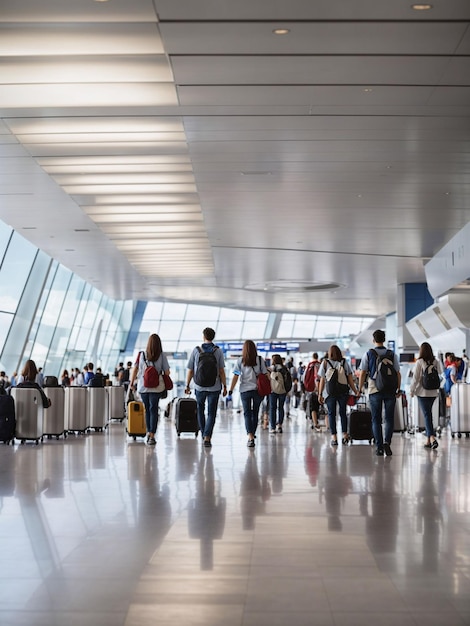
292 172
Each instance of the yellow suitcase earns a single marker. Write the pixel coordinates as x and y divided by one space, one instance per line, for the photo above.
136 420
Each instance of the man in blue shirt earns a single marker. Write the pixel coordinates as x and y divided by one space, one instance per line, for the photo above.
379 399
208 383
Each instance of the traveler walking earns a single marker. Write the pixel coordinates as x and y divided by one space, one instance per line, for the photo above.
336 378
384 383
425 385
206 366
248 367
148 369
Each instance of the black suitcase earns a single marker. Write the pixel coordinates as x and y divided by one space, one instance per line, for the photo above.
360 424
7 419
186 416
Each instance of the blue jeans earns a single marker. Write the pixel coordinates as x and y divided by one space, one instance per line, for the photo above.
425 405
251 401
331 402
151 400
276 408
212 397
377 401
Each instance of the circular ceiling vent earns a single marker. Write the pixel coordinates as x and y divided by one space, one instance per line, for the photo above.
293 286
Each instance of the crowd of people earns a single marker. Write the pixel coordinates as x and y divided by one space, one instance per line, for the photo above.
324 386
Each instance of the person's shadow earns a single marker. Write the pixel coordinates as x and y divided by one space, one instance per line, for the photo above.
252 492
335 487
382 524
206 512
429 516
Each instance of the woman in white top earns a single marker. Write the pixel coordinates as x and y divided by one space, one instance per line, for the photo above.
426 397
153 356
335 359
247 368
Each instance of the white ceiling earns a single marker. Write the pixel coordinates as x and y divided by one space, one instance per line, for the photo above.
181 150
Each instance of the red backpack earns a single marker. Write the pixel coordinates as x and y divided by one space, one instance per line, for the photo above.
311 375
151 376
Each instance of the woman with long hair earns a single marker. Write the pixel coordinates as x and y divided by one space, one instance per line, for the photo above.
426 397
277 398
153 356
247 369
335 360
28 380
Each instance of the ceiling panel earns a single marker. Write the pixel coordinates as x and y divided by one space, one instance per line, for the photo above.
407 38
132 143
307 70
286 10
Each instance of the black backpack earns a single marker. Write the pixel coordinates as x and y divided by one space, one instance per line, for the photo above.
386 376
431 378
50 381
96 381
207 368
286 375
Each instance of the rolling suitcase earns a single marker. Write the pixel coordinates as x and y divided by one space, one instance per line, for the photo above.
400 417
360 423
76 412
460 410
97 408
136 426
54 417
29 414
186 416
116 403
7 419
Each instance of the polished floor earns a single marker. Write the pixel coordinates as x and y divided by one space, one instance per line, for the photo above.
99 530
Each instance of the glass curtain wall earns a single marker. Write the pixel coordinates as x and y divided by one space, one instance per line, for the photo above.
54 317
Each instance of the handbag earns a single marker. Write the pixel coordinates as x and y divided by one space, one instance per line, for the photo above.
168 382
263 384
351 400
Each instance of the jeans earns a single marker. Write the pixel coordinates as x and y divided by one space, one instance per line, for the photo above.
377 401
425 405
276 407
151 400
206 427
251 401
331 402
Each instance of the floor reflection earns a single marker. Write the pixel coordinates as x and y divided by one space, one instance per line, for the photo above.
101 530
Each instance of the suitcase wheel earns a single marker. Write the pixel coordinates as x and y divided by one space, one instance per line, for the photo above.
134 438
177 432
459 435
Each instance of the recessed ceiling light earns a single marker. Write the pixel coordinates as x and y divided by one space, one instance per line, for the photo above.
367 90
256 173
281 31
421 7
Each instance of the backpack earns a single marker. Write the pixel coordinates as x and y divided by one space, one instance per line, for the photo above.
431 378
310 377
287 376
50 381
336 380
277 382
96 381
207 368
386 377
151 376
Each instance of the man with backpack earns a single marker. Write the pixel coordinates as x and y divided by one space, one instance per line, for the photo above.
206 368
310 384
384 383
